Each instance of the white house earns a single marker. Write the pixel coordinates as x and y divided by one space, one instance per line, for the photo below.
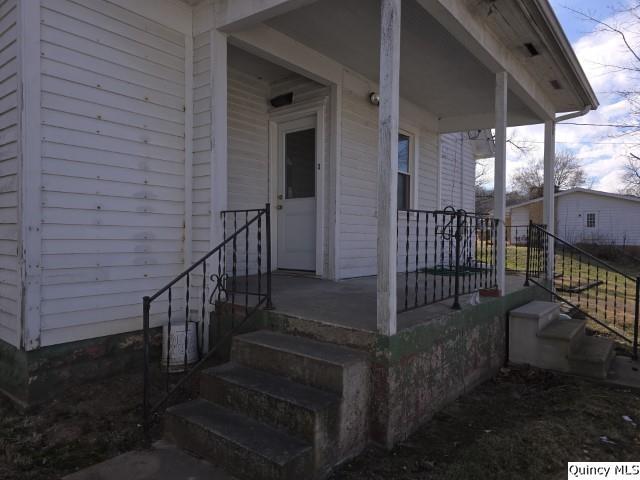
586 216
139 135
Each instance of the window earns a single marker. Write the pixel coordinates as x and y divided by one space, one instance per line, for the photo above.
591 220
404 176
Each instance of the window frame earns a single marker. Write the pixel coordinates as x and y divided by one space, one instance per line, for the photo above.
412 170
588 216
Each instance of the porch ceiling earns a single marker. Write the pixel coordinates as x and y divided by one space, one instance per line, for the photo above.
437 72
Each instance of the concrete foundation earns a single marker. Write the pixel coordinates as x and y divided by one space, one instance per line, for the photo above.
32 377
441 355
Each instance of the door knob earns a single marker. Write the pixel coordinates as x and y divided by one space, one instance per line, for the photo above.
280 197
279 207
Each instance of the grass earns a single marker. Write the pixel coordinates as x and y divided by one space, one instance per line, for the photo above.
524 424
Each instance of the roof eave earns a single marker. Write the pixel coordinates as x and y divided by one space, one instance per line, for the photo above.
581 82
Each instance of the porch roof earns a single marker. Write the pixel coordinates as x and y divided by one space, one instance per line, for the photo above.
449 55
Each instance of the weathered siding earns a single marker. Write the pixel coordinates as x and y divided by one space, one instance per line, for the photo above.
358 175
617 219
113 89
9 281
248 166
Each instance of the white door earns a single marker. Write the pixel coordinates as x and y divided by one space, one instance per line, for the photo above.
296 205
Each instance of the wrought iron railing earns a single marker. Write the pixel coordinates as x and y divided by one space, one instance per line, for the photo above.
589 286
444 254
516 249
232 280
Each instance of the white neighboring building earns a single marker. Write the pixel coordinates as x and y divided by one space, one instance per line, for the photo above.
587 216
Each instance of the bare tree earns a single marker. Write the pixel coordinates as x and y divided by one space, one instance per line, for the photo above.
623 21
568 173
631 176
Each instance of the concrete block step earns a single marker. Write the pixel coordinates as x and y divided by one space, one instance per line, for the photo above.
593 357
244 447
570 331
310 362
301 410
543 312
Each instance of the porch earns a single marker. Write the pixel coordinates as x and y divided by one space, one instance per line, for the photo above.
351 303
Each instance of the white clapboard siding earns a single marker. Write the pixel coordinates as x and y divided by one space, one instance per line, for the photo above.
248 167
9 327
617 219
358 177
113 93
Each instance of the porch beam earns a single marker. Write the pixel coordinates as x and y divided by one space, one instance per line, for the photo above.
266 42
478 38
234 15
388 121
548 201
500 176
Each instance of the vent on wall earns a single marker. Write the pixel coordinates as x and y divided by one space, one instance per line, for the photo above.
531 48
555 84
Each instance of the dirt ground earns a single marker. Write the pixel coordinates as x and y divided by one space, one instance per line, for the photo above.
524 424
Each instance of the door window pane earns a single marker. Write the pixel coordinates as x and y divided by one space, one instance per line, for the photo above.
403 191
300 164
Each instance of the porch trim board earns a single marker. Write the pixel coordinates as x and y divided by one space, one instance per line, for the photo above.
318 109
30 175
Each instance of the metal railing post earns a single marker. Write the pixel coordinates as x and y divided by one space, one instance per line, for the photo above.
529 233
146 307
636 319
458 238
269 305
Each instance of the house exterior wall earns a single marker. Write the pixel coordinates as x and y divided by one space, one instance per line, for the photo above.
113 129
358 173
617 219
116 144
9 179
519 217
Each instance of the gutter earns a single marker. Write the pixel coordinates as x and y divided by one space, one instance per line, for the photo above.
571 115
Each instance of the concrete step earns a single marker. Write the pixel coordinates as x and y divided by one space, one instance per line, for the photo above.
244 447
310 362
542 312
593 357
567 335
305 412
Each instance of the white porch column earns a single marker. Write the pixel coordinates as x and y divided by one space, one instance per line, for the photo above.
500 176
388 165
548 202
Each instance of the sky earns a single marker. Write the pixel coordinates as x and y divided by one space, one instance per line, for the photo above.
599 150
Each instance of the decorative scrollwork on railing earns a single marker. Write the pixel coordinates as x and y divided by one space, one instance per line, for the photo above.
219 281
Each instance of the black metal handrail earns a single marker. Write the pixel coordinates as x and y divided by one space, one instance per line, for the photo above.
444 254
601 292
219 289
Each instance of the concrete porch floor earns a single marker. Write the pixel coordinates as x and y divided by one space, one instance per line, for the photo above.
352 303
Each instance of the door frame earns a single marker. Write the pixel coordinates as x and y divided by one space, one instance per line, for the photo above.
282 115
